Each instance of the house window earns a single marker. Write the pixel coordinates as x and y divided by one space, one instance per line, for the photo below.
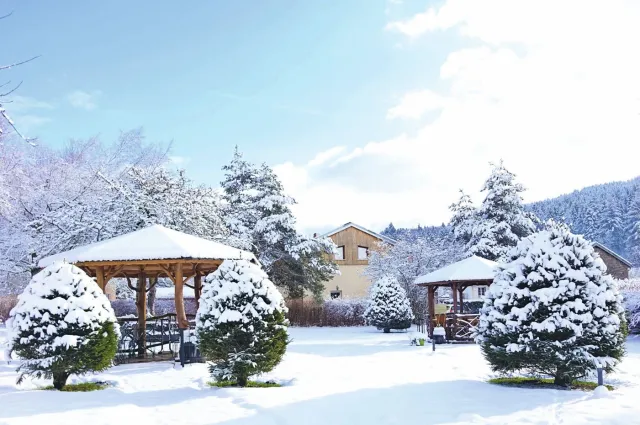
363 253
340 253
482 291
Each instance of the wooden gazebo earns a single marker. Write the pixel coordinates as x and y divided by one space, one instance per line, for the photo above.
149 253
472 271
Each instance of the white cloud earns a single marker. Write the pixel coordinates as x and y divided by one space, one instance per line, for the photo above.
84 100
322 157
550 87
179 161
20 104
414 105
28 123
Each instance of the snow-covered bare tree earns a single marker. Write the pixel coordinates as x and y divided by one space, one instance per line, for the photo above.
413 256
552 310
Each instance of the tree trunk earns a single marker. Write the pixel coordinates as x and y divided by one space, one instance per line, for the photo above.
60 379
242 381
151 296
387 330
562 379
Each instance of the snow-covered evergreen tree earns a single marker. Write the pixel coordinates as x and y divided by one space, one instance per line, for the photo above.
552 310
499 223
632 227
238 192
63 324
259 218
464 217
389 231
241 322
388 306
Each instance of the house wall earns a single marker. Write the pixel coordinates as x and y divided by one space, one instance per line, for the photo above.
615 267
350 281
472 293
351 238
110 290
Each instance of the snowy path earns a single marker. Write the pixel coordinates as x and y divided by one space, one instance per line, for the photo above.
342 376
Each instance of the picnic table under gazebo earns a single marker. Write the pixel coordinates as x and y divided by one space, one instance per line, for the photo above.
472 271
149 253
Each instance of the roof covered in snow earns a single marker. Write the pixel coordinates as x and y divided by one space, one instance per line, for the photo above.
362 229
151 243
470 269
613 254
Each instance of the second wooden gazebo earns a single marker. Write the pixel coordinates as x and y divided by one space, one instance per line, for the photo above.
472 271
149 253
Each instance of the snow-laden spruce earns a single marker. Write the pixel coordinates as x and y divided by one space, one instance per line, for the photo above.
552 310
500 222
389 307
63 324
241 322
258 215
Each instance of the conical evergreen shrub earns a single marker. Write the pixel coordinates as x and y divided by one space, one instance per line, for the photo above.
241 324
552 310
63 324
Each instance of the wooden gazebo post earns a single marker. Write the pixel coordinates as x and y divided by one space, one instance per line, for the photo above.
181 316
141 304
431 306
197 288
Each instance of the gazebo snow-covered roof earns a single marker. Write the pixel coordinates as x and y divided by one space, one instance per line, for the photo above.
473 268
151 243
472 271
150 253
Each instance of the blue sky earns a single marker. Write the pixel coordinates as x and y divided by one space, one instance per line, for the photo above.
282 79
369 110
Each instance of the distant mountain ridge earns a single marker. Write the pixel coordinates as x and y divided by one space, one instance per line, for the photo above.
608 213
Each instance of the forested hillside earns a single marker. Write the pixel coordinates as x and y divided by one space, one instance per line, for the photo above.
608 213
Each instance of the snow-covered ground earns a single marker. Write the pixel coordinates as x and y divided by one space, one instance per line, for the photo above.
332 376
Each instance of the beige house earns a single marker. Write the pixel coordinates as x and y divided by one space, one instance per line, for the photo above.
354 244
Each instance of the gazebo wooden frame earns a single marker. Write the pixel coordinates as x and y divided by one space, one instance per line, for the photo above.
459 320
147 272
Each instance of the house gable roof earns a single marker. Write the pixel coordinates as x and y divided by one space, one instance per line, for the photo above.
362 229
613 254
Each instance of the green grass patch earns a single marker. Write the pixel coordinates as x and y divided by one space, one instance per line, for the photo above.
250 384
544 383
81 387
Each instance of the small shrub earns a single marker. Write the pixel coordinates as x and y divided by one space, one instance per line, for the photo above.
241 322
80 387
338 312
250 384
124 307
63 324
389 306
545 383
168 306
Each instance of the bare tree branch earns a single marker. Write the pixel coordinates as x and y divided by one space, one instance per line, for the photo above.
3 67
